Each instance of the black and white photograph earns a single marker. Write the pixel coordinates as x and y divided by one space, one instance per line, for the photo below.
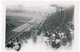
40 26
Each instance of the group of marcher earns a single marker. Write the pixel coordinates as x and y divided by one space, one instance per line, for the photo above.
15 44
58 37
53 37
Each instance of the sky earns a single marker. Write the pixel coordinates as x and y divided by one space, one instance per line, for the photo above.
39 3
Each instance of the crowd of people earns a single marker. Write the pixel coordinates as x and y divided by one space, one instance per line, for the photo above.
54 37
59 30
57 39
